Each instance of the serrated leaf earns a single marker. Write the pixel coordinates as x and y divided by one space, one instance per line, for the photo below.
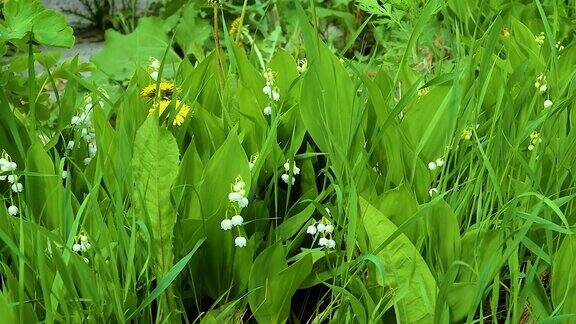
155 167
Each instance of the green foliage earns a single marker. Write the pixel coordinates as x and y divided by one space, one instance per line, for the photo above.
25 17
341 162
124 54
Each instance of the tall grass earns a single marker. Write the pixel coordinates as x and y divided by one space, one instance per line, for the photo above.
368 190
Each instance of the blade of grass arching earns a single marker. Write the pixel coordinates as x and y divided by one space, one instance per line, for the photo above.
43 277
87 85
549 36
427 13
355 36
167 280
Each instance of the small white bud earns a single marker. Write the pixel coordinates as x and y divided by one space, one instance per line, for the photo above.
311 230
548 103
234 197
76 247
439 162
92 149
154 75
267 111
267 90
275 96
432 165
329 228
226 224
330 244
13 210
70 145
243 203
543 88
64 174
17 187
286 177
237 220
87 161
240 241
432 192
12 178
239 186
154 64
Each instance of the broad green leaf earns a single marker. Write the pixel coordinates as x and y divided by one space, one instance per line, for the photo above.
563 282
43 188
407 274
24 16
192 31
221 171
273 282
155 167
399 205
124 54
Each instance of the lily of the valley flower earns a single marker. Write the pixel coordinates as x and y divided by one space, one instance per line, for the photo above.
13 210
240 241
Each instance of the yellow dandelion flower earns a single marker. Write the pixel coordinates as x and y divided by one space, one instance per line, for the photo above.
183 110
166 89
182 113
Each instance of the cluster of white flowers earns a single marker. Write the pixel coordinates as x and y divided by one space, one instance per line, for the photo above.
270 90
541 83
324 228
84 120
81 245
9 166
433 165
238 193
535 139
286 175
237 197
154 68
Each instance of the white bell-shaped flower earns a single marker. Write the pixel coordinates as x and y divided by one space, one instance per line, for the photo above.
240 241
321 228
226 224
311 230
432 165
13 210
17 187
237 220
